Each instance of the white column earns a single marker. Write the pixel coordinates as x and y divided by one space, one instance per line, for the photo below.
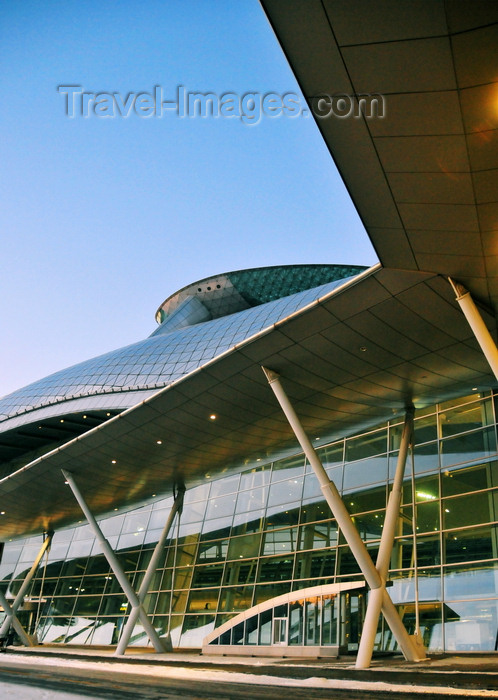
151 568
377 600
115 565
479 328
24 587
25 638
348 528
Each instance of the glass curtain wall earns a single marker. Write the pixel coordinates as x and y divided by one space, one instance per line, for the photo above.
246 538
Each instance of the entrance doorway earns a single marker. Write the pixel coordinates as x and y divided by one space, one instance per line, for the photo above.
317 621
353 606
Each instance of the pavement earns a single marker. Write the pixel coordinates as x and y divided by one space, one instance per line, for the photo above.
465 675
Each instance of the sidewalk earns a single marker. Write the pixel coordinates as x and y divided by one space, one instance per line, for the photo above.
441 675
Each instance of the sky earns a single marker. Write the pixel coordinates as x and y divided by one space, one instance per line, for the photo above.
105 213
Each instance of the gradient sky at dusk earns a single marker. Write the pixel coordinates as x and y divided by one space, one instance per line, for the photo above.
103 218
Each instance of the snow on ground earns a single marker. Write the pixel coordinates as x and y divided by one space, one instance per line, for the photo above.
191 673
13 691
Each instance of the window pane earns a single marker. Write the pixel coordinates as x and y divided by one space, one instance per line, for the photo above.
471 545
276 569
425 429
367 471
471 625
220 507
244 547
285 492
428 550
470 510
207 576
467 479
318 535
471 581
366 445
280 541
428 516
236 599
464 448
426 457
316 566
464 418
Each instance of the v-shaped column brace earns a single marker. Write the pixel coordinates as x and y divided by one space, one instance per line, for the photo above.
11 610
146 581
116 567
411 650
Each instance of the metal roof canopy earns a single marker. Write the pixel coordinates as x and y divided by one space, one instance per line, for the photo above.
424 178
356 357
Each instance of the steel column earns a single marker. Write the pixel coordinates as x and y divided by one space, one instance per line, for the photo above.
479 328
376 600
115 565
21 592
344 522
24 637
151 568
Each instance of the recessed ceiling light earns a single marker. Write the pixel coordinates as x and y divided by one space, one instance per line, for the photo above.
212 416
62 420
2 512
84 416
113 461
108 414
159 442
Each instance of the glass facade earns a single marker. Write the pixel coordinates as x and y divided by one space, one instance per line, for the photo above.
249 537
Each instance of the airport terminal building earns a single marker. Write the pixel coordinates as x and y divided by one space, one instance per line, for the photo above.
299 459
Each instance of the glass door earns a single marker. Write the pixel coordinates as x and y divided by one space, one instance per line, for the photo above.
279 631
352 617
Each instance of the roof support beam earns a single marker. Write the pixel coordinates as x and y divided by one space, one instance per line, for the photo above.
339 511
146 581
377 596
116 567
11 616
479 328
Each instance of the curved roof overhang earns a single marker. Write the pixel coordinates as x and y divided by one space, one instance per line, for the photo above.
353 358
424 177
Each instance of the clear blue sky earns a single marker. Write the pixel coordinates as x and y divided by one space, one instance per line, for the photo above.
103 218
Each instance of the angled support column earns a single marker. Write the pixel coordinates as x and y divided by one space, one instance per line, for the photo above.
11 614
348 528
12 619
377 598
116 567
146 581
479 328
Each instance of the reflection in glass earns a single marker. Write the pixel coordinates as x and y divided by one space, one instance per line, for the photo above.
472 509
470 581
471 544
